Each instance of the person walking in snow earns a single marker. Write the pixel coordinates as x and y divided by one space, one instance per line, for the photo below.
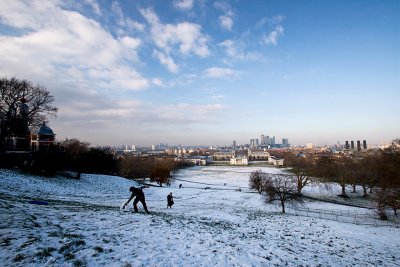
138 193
170 201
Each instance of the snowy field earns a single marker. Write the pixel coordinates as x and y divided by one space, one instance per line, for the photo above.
64 222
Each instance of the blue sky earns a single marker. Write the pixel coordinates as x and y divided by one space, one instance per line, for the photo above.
197 72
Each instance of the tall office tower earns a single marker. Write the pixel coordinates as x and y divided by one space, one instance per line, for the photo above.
133 147
272 140
358 145
352 144
256 142
251 142
153 147
234 144
347 145
285 142
266 140
262 140
364 144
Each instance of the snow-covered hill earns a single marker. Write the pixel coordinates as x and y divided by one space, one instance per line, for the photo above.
60 221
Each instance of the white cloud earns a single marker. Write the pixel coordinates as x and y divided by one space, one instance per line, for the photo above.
118 77
272 37
236 50
185 38
158 82
125 22
55 39
226 22
215 72
95 6
183 4
226 19
166 61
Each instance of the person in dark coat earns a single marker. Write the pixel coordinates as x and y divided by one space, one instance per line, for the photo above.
170 200
138 193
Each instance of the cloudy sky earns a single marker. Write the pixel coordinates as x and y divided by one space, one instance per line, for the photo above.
208 72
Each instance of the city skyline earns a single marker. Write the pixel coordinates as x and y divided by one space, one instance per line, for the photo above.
198 72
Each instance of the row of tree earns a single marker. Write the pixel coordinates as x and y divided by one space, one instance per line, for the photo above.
376 172
79 156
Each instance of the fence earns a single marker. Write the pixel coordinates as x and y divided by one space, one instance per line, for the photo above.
347 217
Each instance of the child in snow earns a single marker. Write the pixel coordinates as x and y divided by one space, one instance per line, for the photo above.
170 200
138 193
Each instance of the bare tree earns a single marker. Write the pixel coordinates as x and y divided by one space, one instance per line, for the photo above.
341 173
368 174
281 188
301 167
388 195
256 180
160 174
37 97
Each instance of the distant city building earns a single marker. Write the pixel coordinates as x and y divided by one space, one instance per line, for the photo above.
352 144
153 147
258 154
239 160
262 140
272 138
358 145
198 160
275 161
364 144
347 145
285 142
252 143
309 145
234 144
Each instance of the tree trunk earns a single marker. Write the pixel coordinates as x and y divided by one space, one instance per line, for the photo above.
365 194
283 206
343 190
354 188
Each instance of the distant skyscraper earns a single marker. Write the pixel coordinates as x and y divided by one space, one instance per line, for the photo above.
251 142
285 142
272 140
256 142
352 144
262 140
358 145
364 144
347 145
234 144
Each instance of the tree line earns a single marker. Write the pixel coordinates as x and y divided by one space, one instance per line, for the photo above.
71 155
377 173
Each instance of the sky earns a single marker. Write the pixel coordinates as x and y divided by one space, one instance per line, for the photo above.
200 72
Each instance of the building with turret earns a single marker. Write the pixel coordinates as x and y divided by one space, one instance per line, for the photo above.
43 139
